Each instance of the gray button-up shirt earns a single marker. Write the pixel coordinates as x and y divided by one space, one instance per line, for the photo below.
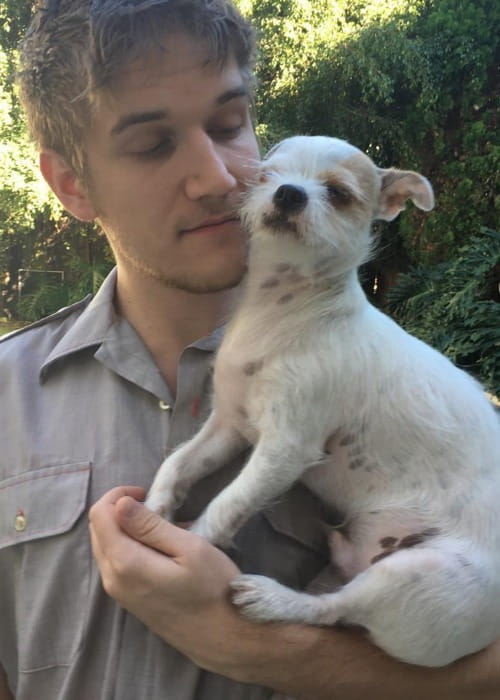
84 408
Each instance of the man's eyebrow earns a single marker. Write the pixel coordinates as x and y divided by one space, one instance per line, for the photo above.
137 118
232 94
143 117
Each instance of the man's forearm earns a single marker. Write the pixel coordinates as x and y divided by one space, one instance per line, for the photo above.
332 664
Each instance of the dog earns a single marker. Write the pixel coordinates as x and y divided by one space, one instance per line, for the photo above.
329 390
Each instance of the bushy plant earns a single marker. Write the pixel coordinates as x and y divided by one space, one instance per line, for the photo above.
49 296
455 306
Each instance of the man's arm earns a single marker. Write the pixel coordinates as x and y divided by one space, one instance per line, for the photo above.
177 584
4 690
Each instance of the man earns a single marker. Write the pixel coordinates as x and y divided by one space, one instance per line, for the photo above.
141 111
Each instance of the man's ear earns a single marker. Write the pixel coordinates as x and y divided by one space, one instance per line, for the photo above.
397 187
67 187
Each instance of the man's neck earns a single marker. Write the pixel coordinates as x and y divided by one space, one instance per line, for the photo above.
168 319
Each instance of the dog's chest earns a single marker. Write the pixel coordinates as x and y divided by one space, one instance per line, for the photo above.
238 390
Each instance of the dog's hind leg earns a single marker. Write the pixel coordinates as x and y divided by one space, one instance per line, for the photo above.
424 606
212 447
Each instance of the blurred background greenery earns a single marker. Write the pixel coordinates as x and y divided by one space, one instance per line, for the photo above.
414 83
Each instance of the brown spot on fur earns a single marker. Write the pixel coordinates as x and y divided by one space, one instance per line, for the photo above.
270 283
348 440
356 451
382 555
285 299
356 464
283 267
295 277
418 538
388 541
432 532
360 165
411 540
242 412
252 367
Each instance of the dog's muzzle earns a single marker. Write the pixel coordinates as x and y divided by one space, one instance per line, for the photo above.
290 199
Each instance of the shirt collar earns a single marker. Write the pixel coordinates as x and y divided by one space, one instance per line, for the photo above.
89 329
97 321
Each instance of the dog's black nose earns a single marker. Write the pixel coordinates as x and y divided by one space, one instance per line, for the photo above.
290 199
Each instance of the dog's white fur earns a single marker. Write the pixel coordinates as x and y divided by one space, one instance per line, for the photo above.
330 390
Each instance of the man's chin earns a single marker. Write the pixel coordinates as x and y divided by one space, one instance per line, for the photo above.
198 279
198 283
205 286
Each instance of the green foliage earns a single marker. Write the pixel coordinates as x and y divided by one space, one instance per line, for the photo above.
45 300
455 306
23 192
48 296
35 232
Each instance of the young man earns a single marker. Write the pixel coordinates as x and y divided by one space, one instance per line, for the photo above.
141 112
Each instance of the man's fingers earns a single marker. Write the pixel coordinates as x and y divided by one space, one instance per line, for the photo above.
106 535
151 529
112 496
102 511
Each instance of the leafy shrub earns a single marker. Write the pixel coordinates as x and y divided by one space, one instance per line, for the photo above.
455 307
49 297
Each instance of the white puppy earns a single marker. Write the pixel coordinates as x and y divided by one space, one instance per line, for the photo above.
330 390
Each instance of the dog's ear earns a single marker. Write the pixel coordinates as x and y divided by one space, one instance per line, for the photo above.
397 187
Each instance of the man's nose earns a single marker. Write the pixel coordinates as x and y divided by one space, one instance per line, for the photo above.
208 170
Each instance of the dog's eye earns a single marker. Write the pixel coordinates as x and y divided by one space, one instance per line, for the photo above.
338 195
263 177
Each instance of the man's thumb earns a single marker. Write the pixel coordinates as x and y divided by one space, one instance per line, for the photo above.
148 527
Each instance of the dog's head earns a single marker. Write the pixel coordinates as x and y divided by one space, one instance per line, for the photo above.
325 194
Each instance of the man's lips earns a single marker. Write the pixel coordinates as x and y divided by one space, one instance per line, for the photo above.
212 224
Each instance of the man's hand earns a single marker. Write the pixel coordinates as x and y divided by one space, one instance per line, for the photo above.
172 580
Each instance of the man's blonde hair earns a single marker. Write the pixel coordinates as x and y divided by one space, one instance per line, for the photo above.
75 48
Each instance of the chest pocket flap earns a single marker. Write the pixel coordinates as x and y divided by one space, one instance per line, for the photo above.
45 560
42 503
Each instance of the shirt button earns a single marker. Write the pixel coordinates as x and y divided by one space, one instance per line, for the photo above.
20 522
164 405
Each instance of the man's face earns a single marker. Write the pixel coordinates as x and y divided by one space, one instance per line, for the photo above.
169 154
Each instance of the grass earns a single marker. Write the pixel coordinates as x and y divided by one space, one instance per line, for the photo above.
6 326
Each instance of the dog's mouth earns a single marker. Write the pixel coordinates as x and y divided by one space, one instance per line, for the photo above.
280 224
288 202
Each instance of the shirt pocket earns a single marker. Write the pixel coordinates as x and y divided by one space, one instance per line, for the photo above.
45 542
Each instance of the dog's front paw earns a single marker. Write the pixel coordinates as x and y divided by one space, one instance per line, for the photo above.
203 528
260 598
159 503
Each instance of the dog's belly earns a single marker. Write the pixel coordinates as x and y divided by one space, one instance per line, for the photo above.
369 538
374 526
